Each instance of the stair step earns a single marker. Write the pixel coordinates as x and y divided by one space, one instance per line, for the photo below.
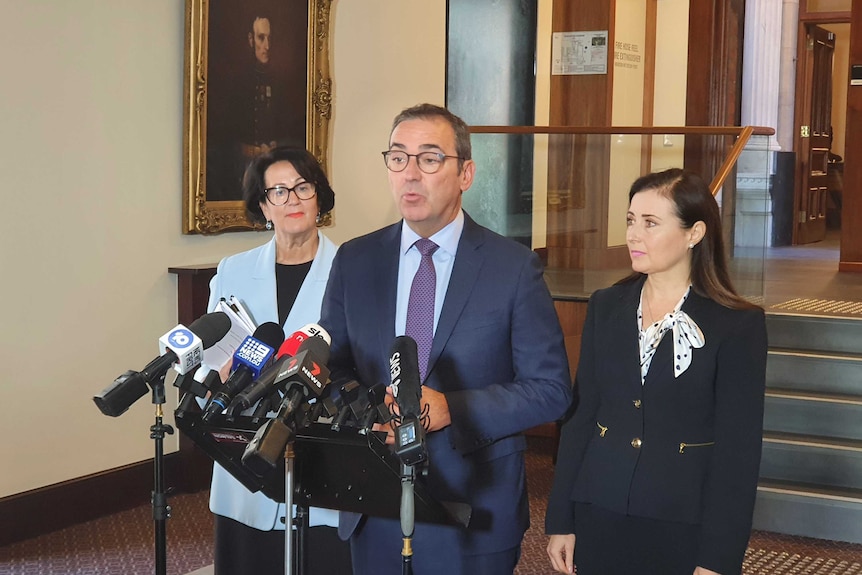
813 441
826 462
809 511
837 374
814 396
801 489
815 333
838 417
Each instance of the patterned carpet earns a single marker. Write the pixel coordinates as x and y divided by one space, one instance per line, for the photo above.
123 543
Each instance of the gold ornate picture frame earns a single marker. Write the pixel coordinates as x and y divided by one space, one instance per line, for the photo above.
256 76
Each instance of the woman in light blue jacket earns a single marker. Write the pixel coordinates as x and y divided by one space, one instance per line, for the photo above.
281 281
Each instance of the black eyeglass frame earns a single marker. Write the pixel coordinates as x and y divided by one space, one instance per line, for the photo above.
289 190
440 156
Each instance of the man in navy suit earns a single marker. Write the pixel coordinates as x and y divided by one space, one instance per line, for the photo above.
496 365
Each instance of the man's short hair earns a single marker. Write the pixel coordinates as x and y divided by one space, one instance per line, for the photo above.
463 149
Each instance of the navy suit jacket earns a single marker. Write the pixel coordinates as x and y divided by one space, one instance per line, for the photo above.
683 449
497 355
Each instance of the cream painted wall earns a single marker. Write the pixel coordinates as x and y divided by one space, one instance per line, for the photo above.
628 59
91 184
669 94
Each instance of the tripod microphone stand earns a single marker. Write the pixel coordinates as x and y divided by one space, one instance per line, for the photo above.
161 509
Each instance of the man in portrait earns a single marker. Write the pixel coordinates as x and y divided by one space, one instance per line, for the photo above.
257 96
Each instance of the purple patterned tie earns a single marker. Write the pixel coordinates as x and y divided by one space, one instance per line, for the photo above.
420 307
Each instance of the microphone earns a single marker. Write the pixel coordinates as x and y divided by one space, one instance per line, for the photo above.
199 383
248 361
407 390
291 344
348 394
302 375
182 346
301 357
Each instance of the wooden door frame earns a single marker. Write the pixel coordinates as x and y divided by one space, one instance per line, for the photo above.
714 88
851 209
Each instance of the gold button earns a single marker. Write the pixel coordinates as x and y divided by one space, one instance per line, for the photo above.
637 403
636 442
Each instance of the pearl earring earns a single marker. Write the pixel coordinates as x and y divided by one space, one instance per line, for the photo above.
691 246
268 224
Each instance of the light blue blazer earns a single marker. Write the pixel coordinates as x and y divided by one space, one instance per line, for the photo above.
250 276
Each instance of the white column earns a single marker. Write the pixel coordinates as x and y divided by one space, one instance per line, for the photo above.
760 93
761 60
785 130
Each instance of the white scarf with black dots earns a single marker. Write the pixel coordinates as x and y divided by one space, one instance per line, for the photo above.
686 336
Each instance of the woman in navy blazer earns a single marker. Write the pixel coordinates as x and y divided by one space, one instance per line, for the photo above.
281 281
657 468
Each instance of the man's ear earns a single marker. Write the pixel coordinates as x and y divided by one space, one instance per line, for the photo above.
468 171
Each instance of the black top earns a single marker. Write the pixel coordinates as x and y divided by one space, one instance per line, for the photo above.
288 280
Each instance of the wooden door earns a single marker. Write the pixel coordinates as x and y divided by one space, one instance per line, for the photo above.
814 118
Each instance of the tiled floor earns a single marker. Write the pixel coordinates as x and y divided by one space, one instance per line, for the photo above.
123 543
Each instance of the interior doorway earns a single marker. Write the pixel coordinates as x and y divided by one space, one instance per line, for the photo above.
821 102
814 118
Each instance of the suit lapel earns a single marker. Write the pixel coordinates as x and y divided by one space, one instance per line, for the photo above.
263 277
625 318
465 272
384 288
312 288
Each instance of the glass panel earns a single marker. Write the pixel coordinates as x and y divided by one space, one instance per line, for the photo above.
571 195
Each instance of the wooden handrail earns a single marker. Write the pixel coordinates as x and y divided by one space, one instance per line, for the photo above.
730 160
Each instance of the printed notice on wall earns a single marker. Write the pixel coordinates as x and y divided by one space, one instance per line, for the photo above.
575 53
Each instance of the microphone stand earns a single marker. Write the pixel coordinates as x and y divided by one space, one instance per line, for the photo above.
294 555
408 517
289 458
161 509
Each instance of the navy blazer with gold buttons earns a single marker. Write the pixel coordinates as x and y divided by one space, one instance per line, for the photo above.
683 449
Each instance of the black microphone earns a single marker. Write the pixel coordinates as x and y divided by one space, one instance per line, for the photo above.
348 392
407 389
248 361
199 382
182 346
302 377
306 367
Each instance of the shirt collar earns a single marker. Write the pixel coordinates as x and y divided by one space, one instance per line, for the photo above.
447 238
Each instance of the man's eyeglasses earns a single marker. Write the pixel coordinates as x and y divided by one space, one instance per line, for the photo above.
278 195
428 162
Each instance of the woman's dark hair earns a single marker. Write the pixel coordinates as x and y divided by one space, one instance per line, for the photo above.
305 164
693 202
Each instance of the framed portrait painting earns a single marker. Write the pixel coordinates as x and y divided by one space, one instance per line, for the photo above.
256 77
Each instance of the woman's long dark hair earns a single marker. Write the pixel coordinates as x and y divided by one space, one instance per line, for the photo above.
694 203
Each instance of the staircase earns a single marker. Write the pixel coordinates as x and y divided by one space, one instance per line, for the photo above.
811 468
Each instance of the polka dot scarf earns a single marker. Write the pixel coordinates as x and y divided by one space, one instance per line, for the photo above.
686 336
